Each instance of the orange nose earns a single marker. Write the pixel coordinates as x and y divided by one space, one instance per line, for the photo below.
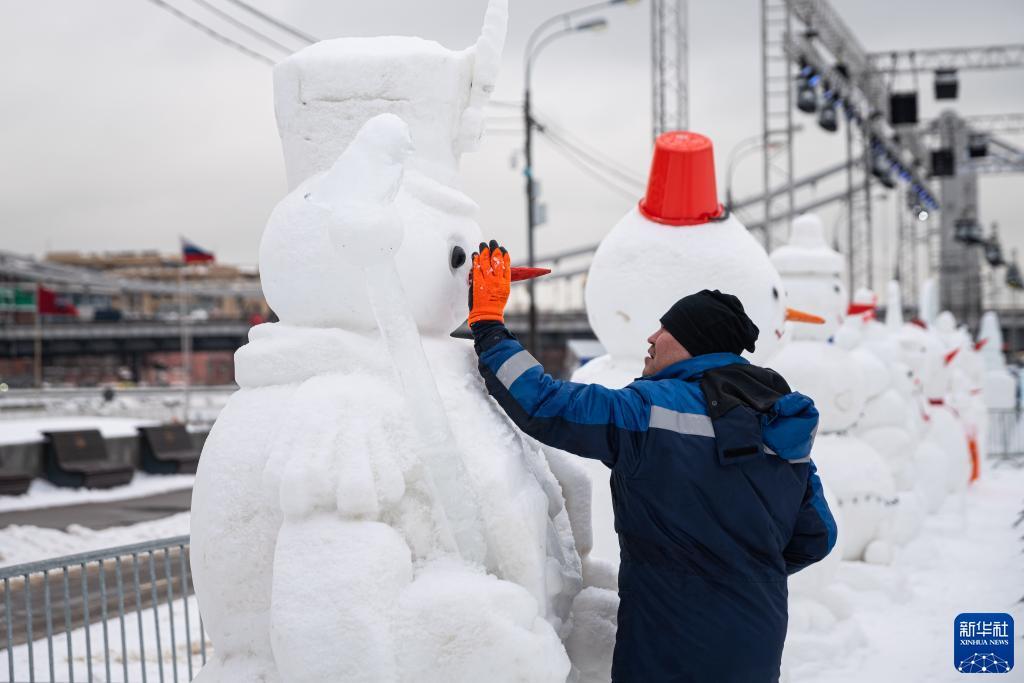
524 273
796 316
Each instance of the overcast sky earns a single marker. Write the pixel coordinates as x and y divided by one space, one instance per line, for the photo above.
121 127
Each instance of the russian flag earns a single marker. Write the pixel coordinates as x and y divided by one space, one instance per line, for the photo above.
190 253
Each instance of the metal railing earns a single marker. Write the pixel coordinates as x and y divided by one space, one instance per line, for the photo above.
123 614
1006 436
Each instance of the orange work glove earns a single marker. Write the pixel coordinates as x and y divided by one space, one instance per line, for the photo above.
489 281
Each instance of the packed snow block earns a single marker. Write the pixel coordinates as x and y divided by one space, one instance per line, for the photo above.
80 458
167 449
325 93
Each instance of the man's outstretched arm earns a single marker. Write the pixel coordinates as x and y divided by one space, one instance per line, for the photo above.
586 419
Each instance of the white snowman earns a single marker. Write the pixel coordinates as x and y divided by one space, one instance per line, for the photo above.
1000 387
677 241
357 514
841 378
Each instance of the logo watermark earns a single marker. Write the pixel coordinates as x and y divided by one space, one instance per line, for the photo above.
983 643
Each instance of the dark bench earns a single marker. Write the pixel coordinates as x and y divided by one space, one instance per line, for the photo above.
79 458
168 449
14 484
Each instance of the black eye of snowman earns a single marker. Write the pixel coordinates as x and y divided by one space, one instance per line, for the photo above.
775 293
835 288
458 257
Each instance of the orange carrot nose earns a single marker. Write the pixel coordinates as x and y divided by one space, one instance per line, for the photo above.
980 344
796 316
950 356
524 273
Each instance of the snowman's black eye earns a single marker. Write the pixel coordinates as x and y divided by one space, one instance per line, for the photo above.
775 293
458 257
835 288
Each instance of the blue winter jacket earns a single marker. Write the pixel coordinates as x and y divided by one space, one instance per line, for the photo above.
706 541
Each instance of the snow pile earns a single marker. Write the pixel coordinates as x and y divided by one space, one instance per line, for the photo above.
43 494
21 544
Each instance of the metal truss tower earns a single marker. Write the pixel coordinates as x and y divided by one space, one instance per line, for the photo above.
670 99
777 80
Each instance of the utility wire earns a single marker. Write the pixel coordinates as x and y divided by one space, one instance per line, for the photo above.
569 154
606 167
276 22
219 37
587 150
243 26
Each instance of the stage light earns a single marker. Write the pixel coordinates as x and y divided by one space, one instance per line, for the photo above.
806 97
827 118
881 170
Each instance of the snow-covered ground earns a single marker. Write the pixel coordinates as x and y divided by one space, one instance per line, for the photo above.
967 559
20 544
43 494
144 404
159 664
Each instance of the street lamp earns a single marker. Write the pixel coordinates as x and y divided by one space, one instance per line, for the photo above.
534 45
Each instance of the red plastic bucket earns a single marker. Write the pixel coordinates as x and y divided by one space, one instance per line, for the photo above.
681 187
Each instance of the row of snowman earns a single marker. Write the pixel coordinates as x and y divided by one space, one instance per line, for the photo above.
363 511
903 404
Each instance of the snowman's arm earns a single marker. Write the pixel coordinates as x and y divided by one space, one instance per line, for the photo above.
586 419
815 532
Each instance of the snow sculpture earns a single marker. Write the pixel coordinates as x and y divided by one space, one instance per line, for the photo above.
840 379
813 276
1000 386
328 539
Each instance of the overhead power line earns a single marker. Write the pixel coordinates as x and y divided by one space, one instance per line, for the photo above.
591 151
244 26
607 168
212 33
589 169
275 21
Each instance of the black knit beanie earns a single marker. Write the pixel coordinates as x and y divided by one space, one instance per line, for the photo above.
710 322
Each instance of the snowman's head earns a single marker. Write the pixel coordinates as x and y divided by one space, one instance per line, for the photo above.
641 268
675 242
306 283
813 275
324 96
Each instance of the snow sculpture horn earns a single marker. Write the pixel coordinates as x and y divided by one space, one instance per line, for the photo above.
486 64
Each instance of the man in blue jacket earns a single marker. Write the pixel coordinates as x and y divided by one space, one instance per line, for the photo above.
715 496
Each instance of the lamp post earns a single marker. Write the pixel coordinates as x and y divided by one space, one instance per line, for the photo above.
534 45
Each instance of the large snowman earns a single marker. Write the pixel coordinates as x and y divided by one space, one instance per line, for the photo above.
357 514
677 240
